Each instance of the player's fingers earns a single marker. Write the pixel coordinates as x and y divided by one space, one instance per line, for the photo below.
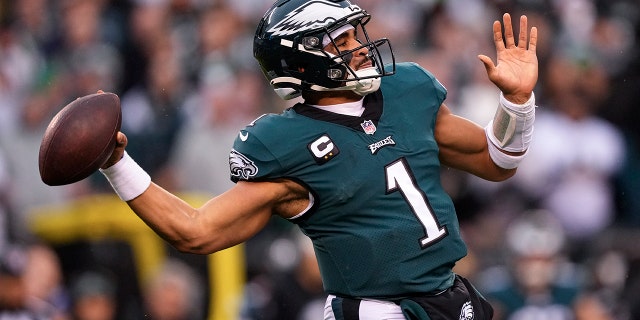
533 39
121 140
497 35
488 63
522 40
508 31
118 152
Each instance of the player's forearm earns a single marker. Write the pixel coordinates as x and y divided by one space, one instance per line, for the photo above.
463 145
224 221
477 163
170 217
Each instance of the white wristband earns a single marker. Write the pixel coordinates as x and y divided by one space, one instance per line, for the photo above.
500 158
512 126
127 178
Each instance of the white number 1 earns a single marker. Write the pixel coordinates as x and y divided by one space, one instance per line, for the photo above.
400 178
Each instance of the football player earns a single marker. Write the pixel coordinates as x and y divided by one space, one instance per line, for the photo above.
356 165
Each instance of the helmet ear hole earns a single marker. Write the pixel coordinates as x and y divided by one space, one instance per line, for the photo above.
312 42
336 74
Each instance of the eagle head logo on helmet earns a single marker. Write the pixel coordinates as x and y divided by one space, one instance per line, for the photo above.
311 15
288 45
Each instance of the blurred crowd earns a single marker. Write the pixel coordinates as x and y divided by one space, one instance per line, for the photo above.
557 241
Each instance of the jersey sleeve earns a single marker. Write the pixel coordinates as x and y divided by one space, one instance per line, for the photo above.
251 159
430 81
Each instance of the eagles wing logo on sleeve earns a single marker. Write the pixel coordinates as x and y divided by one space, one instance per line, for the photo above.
466 313
241 166
306 16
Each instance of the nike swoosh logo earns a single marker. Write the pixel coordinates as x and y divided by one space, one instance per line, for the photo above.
244 136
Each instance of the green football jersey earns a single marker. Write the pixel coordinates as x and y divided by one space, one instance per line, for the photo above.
381 224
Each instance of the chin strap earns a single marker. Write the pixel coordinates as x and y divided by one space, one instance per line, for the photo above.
366 86
362 87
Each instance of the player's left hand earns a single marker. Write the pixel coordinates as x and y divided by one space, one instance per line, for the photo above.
516 71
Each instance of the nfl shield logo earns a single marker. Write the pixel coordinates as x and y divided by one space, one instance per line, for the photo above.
368 127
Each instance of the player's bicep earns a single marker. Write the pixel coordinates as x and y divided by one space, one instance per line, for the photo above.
239 213
458 136
463 146
242 211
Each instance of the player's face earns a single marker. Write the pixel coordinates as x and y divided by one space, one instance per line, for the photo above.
347 41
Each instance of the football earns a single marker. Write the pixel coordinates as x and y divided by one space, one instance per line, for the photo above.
80 138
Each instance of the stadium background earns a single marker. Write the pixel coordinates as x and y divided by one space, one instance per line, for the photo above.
188 82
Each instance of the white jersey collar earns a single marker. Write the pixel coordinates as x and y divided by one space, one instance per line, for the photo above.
354 109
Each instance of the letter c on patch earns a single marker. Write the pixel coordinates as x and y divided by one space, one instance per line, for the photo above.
323 149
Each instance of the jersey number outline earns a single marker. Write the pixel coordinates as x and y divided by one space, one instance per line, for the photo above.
399 177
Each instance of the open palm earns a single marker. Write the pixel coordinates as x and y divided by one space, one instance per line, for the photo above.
516 71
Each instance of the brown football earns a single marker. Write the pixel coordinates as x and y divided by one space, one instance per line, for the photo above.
79 139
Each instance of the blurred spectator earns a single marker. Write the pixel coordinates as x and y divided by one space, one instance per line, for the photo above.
92 61
536 282
44 285
249 10
174 293
221 61
80 63
19 68
292 290
151 111
93 297
616 37
39 291
575 154
628 184
147 22
229 95
603 297
12 293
